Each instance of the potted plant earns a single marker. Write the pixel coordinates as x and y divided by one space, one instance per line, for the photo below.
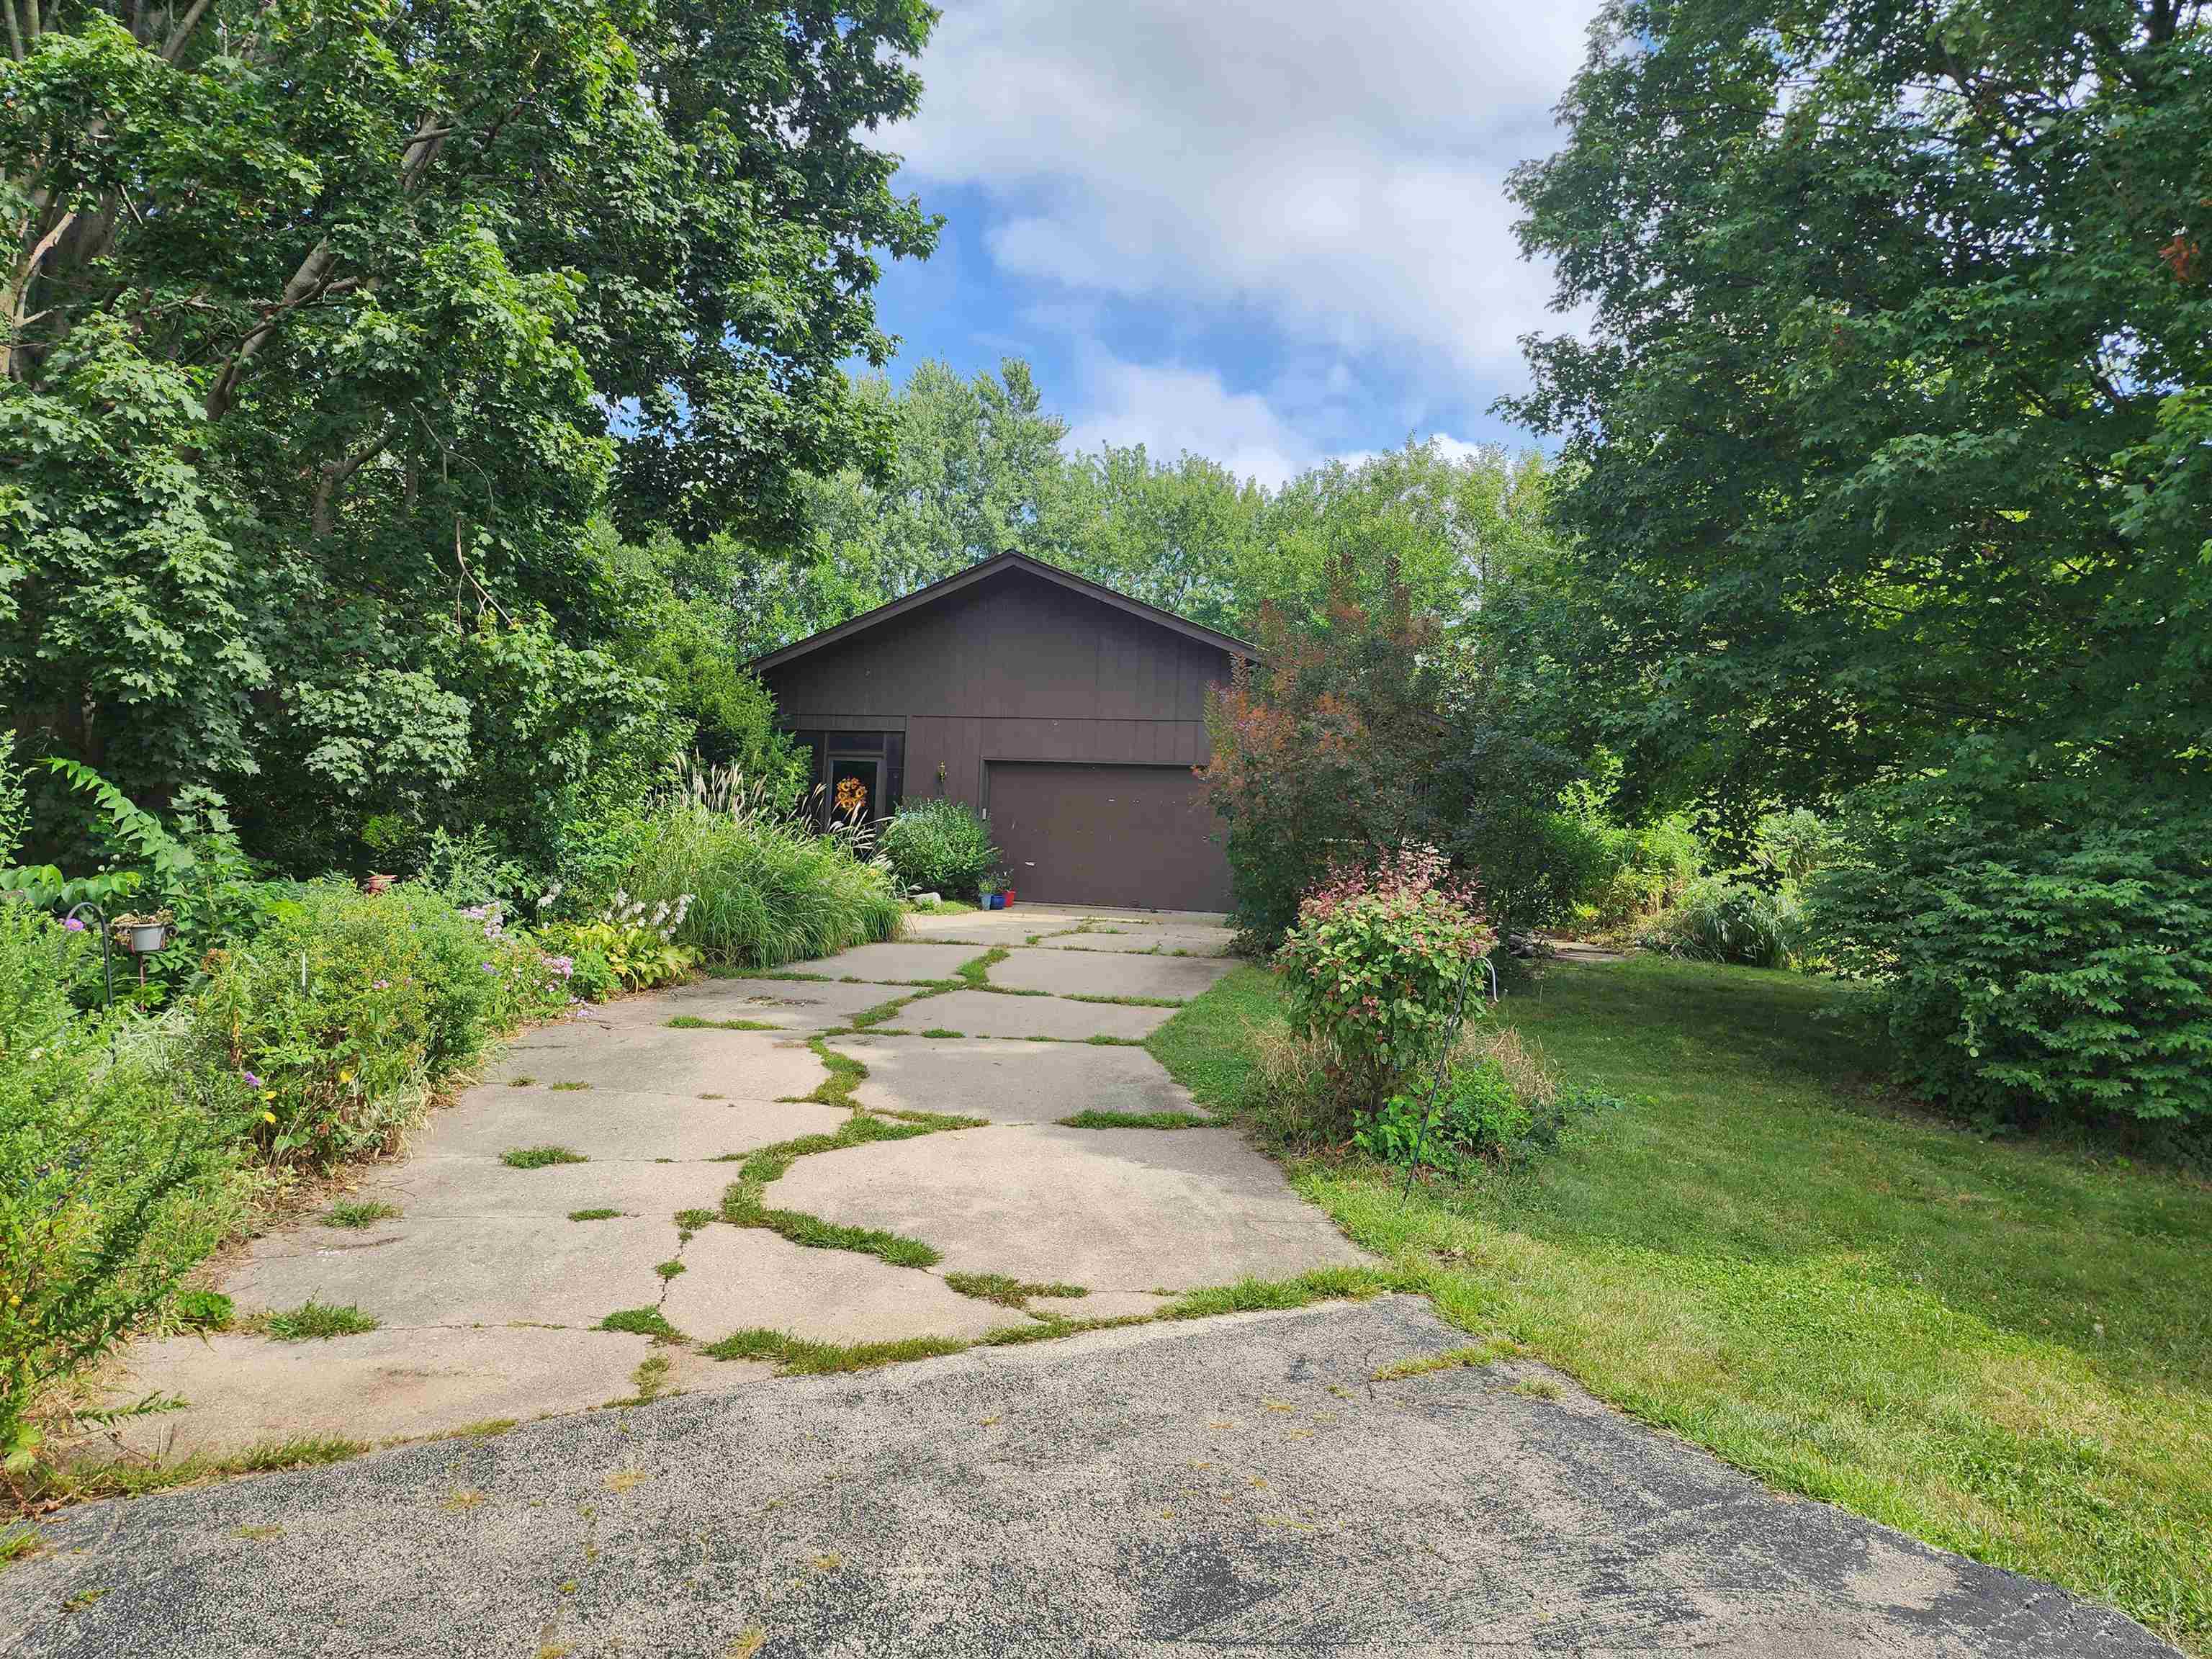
987 893
143 935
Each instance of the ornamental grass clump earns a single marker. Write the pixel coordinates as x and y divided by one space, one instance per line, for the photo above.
766 886
1378 965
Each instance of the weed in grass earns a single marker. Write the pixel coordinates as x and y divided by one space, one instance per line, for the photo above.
359 1212
539 1157
642 1322
256 1535
521 1082
460 1499
205 1311
314 1322
593 1215
1098 1120
693 1022
1005 1290
1124 1002
667 1270
565 1087
19 1544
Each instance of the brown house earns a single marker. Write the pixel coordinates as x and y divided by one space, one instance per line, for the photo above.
1071 715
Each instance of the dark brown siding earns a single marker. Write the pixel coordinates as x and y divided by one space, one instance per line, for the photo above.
1013 669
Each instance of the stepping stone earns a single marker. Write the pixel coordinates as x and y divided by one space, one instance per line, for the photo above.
639 1058
243 1391
615 1124
492 1270
982 928
451 1188
793 1004
889 965
1064 972
1108 1209
986 1013
1009 1082
737 1279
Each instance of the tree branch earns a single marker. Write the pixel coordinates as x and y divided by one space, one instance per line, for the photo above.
183 32
335 472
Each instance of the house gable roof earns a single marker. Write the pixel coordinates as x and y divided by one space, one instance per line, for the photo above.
1000 565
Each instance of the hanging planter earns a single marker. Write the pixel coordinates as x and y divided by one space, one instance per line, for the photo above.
143 935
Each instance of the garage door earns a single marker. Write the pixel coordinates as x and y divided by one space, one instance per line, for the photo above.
1133 835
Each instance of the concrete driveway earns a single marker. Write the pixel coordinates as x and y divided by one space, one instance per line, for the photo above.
492 1286
1246 1485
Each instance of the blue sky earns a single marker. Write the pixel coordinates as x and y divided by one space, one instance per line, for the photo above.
1267 233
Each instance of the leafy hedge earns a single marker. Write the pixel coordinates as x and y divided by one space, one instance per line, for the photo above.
938 846
2039 965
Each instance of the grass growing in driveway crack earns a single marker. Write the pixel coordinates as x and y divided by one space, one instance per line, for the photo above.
311 1322
794 1356
540 1157
1122 1002
1005 1290
974 973
693 1022
642 1322
1099 1119
599 1214
357 1213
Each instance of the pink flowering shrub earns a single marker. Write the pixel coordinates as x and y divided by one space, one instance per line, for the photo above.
1375 964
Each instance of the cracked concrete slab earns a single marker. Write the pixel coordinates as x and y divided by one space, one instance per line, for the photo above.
1177 943
985 1013
484 1270
796 1005
385 1385
646 1057
1110 1209
1009 1082
893 963
1239 1487
981 929
439 1187
1069 973
617 1124
738 1278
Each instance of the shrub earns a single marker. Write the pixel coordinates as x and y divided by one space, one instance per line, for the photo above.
332 1024
1729 921
1381 961
768 887
114 1173
2046 949
1498 1105
938 846
626 945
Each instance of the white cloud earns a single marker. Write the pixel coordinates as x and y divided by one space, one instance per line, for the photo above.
1337 169
1171 408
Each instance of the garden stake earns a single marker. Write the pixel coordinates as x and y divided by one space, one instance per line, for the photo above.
1443 1065
106 946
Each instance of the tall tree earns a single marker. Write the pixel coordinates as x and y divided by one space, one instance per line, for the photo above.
1888 432
314 320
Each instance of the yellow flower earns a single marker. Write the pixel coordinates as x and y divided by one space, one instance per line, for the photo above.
14 1301
345 1077
269 1094
268 1117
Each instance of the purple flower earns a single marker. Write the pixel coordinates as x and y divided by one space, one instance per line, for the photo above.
383 985
73 924
487 968
252 1081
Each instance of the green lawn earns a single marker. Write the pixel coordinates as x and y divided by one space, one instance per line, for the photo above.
2004 1349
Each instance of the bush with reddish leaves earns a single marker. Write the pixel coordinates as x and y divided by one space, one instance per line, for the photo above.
1378 962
